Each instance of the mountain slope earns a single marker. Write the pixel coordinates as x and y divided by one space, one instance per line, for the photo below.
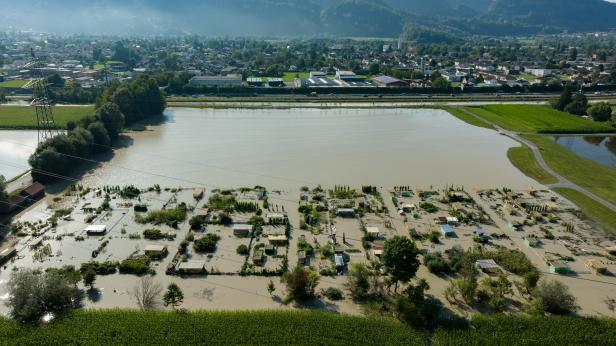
385 18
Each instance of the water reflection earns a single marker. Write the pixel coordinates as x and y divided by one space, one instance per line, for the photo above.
15 149
601 149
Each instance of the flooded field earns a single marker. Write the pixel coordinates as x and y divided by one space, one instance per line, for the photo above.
284 149
15 149
601 149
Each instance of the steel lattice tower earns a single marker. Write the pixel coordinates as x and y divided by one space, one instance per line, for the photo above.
42 102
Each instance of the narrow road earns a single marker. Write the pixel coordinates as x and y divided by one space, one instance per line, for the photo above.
562 181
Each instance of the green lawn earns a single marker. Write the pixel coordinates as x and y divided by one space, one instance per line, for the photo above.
597 178
290 76
540 119
456 112
18 117
524 160
593 210
123 327
17 83
529 77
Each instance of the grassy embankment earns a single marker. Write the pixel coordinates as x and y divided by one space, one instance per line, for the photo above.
524 160
538 119
594 177
456 112
18 117
122 327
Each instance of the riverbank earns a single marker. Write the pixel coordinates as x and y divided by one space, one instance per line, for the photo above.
587 183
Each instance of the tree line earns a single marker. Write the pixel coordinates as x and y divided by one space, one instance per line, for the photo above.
121 104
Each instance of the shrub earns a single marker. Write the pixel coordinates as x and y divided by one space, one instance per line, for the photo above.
332 293
358 281
555 297
242 250
207 243
435 263
136 265
169 217
100 268
301 283
156 234
196 222
428 207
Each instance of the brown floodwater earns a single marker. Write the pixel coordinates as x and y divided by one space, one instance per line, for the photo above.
284 149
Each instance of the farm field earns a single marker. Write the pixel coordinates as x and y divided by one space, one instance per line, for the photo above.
540 119
521 330
123 327
20 117
107 327
524 160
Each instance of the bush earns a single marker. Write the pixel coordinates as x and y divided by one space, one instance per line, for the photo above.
358 281
428 207
207 243
196 222
137 266
332 293
130 192
555 297
100 268
435 263
600 112
169 217
242 250
156 234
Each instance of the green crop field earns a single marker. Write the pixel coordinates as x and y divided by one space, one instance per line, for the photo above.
524 160
467 117
17 83
588 174
123 327
18 117
521 330
128 327
541 119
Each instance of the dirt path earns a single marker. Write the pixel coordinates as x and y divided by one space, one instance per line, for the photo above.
562 181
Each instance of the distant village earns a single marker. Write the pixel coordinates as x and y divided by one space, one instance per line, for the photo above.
194 62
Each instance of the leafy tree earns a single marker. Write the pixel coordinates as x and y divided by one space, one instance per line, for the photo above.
530 280
555 296
578 106
55 80
565 98
271 287
413 307
89 276
207 243
111 117
441 83
242 250
400 259
600 112
174 296
301 283
498 288
2 96
33 293
358 281
100 137
3 193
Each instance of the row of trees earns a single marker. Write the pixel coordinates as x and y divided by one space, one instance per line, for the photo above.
578 104
121 104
